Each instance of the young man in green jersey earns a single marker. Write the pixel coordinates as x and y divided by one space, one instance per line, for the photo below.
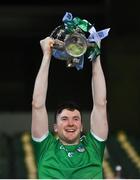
69 156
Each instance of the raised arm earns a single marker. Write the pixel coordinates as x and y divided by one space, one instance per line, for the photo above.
39 112
99 124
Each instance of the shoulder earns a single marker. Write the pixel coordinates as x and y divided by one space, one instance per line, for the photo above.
45 139
91 140
94 143
92 136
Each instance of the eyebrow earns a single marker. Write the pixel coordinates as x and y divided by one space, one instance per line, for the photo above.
64 117
72 117
76 117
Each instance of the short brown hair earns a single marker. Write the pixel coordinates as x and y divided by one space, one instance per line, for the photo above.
69 105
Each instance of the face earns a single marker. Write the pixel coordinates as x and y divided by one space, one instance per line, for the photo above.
69 126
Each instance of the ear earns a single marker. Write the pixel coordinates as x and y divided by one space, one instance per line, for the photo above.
55 128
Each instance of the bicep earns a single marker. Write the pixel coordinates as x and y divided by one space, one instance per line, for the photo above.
98 121
39 122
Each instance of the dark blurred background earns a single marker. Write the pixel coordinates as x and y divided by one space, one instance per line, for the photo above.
24 24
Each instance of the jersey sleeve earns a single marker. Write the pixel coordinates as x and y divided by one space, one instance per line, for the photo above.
40 147
99 146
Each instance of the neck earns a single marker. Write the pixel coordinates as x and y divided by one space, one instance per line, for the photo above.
69 143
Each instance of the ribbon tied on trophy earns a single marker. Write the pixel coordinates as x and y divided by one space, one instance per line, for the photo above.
71 41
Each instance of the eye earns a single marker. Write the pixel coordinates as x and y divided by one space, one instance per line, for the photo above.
76 118
64 118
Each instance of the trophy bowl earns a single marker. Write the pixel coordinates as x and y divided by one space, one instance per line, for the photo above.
75 44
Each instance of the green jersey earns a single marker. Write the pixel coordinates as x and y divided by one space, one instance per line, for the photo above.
58 161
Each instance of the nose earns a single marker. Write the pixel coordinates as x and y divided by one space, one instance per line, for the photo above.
70 122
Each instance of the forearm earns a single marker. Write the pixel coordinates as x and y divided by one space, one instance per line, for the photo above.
98 84
41 83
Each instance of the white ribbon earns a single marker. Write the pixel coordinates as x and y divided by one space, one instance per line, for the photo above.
97 36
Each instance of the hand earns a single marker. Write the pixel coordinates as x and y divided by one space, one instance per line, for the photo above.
46 45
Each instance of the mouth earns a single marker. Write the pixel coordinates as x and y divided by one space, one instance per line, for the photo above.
70 130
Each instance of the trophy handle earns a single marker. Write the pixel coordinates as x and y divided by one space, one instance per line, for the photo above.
57 34
58 44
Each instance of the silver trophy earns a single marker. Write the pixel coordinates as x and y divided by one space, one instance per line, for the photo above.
72 45
74 38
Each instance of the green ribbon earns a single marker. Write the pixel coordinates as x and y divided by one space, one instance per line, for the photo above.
77 22
82 24
94 52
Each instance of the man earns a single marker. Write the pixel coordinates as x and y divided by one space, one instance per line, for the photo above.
69 156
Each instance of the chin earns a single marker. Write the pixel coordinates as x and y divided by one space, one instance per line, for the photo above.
72 140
